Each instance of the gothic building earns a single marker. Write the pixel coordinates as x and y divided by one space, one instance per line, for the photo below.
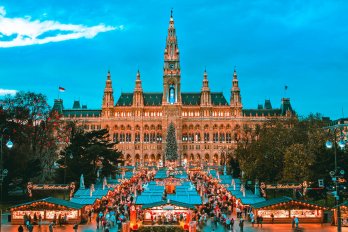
206 123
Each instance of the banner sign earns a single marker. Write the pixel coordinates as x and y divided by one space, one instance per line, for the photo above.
49 187
296 186
283 186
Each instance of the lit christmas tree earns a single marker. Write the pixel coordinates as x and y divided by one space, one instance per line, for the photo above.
172 147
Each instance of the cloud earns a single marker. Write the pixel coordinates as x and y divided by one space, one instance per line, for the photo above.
4 92
2 11
16 32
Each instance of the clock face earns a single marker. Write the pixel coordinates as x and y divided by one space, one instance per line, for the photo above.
171 66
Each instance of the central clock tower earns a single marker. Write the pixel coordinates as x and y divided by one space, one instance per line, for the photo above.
171 69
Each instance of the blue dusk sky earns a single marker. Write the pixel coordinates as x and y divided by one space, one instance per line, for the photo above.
300 44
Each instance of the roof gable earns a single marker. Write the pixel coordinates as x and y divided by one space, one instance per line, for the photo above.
54 201
168 203
218 99
282 200
81 113
125 99
191 99
152 99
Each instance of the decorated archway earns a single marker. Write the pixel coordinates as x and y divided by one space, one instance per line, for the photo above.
192 158
215 159
207 158
128 160
152 160
198 160
137 159
146 159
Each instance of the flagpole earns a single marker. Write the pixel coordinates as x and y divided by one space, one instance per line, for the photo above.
58 92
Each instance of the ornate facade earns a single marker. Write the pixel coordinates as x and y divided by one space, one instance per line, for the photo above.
206 123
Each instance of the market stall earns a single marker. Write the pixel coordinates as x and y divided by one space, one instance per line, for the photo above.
166 212
344 214
49 208
285 208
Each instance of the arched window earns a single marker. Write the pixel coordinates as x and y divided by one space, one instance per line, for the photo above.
171 94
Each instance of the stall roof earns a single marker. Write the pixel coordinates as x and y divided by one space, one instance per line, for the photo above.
186 199
237 193
170 202
280 200
98 193
83 201
251 200
54 201
161 174
148 199
181 176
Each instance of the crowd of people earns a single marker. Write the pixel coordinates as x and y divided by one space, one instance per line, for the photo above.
218 205
115 209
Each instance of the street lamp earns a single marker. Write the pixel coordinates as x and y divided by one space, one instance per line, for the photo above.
3 171
336 174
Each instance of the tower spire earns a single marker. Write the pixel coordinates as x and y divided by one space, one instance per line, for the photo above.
108 98
205 92
109 75
171 75
138 86
236 99
138 99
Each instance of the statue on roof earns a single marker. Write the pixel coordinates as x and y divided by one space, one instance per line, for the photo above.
82 182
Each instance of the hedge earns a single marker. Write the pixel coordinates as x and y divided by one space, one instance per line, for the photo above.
161 229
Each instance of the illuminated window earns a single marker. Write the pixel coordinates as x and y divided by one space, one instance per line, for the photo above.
171 94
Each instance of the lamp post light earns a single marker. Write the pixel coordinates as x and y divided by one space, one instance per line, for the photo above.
336 174
3 172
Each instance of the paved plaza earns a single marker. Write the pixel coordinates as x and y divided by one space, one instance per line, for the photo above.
91 227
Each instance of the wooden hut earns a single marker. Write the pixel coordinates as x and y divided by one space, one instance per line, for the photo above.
285 208
344 214
49 208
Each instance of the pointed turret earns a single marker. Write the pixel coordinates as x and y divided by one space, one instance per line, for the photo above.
138 99
108 98
58 106
205 93
286 108
171 69
236 99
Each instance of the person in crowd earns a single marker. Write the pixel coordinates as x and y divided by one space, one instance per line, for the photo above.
241 224
232 223
55 219
261 220
90 215
50 227
40 219
297 221
35 218
20 228
97 219
60 220
272 218
76 226
252 219
228 223
30 228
